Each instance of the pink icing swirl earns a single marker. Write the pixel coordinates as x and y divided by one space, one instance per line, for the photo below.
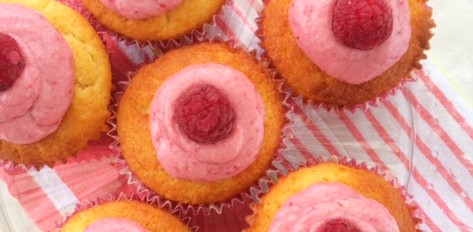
185 159
141 9
114 225
314 207
34 106
311 25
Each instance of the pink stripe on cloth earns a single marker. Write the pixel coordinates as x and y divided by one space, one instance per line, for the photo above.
300 147
315 131
433 193
442 169
429 118
357 134
446 103
404 159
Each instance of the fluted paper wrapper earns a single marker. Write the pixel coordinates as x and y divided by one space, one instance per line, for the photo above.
222 216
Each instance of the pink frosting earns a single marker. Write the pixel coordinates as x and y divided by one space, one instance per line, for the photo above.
185 159
311 25
141 9
34 106
310 209
114 225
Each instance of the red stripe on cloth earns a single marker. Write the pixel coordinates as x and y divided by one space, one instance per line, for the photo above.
447 104
228 31
443 171
359 137
405 161
315 130
36 203
300 147
399 118
243 17
428 154
430 120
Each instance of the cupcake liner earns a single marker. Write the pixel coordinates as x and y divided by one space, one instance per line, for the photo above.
283 167
384 97
122 196
55 192
77 172
94 152
227 215
198 33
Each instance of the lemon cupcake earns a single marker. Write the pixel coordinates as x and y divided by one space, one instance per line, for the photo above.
345 52
201 123
55 82
147 20
333 197
123 215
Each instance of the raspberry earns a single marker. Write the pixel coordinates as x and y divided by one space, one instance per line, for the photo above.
11 61
338 225
362 24
204 114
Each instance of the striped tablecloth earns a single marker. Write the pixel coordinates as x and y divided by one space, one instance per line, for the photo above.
423 134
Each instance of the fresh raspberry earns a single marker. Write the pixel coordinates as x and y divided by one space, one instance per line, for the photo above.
204 114
11 61
338 225
362 24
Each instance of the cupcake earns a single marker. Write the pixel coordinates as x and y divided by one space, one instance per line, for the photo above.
123 215
55 82
343 53
147 20
332 197
201 123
